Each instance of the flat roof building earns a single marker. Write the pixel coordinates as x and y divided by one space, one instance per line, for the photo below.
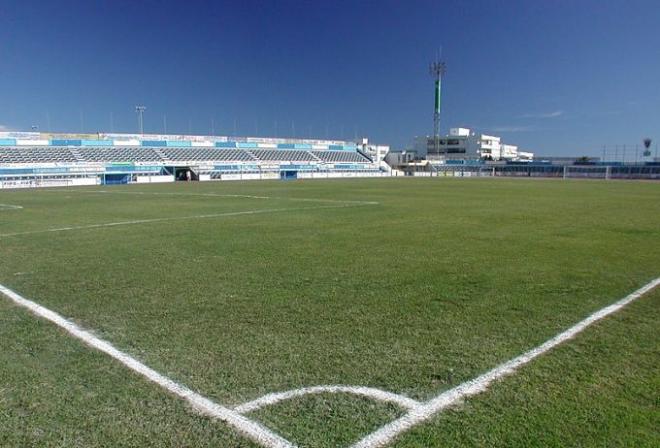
464 144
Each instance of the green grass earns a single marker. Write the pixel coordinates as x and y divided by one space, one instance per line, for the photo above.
438 282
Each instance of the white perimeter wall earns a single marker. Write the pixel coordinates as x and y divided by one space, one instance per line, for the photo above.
38 183
154 179
32 183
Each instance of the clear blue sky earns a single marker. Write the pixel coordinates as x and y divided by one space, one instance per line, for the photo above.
556 77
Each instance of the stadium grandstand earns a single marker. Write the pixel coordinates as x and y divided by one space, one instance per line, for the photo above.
34 159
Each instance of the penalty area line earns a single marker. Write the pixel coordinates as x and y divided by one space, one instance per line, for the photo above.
220 195
10 207
246 426
428 409
176 218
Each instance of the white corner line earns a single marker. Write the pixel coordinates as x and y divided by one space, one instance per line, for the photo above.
175 218
417 412
369 392
427 410
250 428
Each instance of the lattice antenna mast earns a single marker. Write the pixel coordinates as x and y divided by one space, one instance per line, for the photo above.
139 110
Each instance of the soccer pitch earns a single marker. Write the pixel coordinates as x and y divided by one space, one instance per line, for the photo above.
397 290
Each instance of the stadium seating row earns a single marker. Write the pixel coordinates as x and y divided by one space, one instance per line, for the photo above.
340 156
36 155
200 154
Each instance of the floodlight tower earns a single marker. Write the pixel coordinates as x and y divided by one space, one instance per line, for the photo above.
647 147
139 110
437 70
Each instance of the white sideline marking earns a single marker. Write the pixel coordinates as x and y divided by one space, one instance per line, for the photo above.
10 207
252 429
425 411
370 392
174 218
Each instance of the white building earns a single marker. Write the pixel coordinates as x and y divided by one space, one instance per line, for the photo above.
376 152
464 144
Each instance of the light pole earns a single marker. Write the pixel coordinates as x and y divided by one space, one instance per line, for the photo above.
139 110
